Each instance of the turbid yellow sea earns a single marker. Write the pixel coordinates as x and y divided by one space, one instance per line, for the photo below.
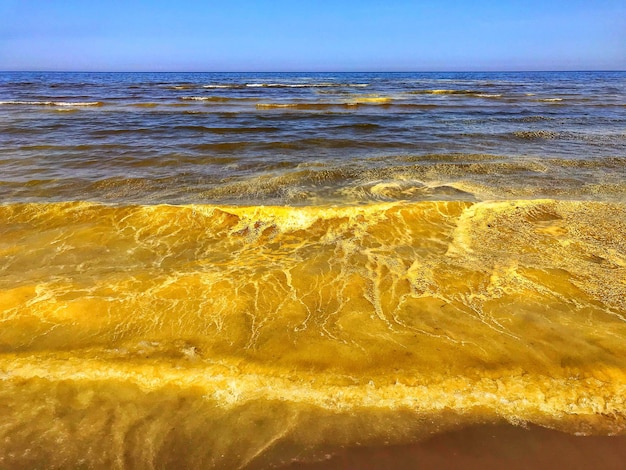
242 337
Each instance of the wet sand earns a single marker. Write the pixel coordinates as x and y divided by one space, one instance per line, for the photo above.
485 447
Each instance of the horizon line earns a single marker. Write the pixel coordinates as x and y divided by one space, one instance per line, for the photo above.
319 71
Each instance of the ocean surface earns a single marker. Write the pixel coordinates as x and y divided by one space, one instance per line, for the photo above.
228 270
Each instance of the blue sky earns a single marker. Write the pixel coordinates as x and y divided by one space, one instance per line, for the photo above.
307 35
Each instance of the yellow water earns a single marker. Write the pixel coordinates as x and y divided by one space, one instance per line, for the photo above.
245 337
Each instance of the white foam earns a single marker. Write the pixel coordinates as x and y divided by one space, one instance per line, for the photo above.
52 103
291 85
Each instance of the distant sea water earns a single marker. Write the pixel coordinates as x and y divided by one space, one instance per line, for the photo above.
228 270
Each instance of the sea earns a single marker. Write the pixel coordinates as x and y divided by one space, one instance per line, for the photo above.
288 270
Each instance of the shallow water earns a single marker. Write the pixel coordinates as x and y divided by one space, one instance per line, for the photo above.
241 271
311 138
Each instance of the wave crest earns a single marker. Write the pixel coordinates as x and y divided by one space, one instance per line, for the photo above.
53 103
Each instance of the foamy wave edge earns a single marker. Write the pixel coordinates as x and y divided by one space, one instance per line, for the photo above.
52 103
540 399
288 85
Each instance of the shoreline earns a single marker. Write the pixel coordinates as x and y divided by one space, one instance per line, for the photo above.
484 447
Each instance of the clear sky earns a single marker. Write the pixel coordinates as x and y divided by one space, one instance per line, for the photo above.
308 35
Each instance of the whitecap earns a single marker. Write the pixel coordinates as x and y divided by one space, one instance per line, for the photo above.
52 103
